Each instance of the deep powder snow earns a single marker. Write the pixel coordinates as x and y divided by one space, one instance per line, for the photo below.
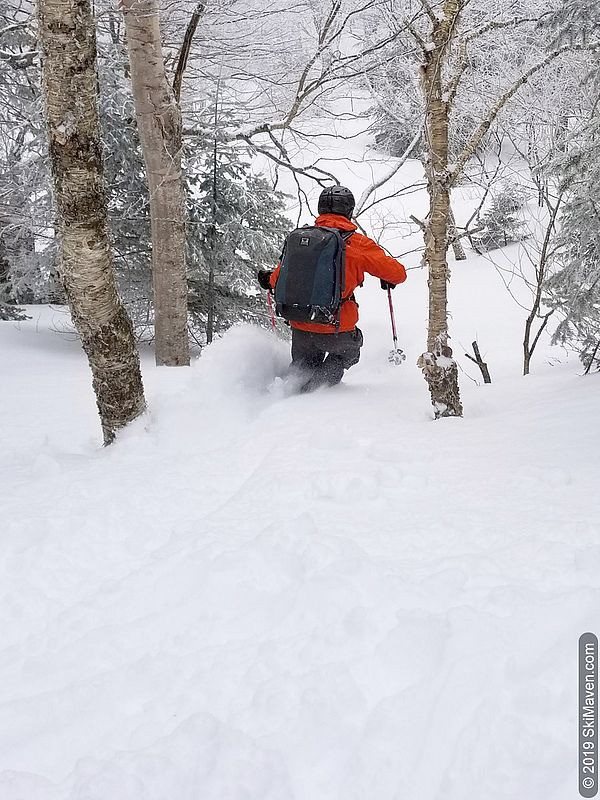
258 597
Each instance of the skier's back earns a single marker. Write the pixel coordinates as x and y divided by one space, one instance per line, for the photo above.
323 350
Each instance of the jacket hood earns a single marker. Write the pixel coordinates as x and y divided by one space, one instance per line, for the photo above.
335 221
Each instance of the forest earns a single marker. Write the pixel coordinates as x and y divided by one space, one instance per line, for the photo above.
214 582
201 126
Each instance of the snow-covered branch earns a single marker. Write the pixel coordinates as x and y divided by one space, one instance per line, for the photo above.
486 123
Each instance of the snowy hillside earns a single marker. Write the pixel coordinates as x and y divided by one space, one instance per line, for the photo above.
310 598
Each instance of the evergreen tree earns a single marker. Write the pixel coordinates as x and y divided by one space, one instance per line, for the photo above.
228 241
576 21
500 223
128 200
236 226
575 288
27 252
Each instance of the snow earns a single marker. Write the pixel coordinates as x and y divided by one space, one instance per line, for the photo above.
252 596
255 596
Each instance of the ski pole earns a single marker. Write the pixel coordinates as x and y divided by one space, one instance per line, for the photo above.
396 356
393 318
271 312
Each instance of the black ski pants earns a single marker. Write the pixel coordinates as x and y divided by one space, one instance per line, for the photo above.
323 357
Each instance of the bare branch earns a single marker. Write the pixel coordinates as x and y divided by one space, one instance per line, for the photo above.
20 60
14 27
496 25
416 36
320 178
480 362
185 49
430 12
391 172
419 222
463 63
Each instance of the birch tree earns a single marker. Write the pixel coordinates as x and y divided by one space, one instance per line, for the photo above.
445 61
439 368
69 80
450 40
159 124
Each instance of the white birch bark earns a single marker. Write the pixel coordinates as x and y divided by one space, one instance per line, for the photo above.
68 41
159 124
439 368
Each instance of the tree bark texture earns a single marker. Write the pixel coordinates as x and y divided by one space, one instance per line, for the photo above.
457 245
437 364
68 40
159 124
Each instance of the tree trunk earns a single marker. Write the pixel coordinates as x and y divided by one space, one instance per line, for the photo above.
457 245
159 125
21 253
439 368
6 295
541 272
8 309
212 231
68 40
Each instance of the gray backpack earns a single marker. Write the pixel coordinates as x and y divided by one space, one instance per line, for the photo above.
311 281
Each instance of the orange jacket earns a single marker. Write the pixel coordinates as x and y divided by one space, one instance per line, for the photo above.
362 255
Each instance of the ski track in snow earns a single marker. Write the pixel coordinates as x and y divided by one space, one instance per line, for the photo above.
253 597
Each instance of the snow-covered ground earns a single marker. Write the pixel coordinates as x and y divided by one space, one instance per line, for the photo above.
326 597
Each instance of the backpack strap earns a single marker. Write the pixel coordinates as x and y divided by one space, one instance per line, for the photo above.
344 237
283 249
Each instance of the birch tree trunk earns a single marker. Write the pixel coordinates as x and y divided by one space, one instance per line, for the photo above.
439 368
68 41
159 124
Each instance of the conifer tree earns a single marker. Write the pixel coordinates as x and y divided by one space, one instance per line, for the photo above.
27 254
499 225
236 226
575 288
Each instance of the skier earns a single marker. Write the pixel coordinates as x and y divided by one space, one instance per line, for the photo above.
321 351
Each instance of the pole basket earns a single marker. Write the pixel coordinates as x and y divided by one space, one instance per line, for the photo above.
397 356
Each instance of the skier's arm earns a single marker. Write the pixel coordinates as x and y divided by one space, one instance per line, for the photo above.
376 262
268 278
275 275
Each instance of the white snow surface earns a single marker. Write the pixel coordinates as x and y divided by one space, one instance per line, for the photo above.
254 596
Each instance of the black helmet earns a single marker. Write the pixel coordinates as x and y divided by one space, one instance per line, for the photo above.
336 200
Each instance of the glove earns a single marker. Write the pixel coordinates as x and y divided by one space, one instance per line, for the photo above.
385 285
264 279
